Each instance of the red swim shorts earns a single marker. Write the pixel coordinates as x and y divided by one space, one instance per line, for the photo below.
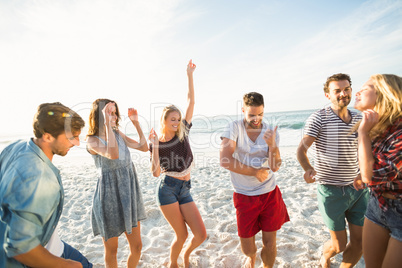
266 212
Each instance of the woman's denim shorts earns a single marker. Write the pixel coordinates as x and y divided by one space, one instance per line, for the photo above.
390 219
171 190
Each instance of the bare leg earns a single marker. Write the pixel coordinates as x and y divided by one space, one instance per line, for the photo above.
111 246
393 257
135 243
268 252
332 247
375 243
173 215
353 251
249 249
193 218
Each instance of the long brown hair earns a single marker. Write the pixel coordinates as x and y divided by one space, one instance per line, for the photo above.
96 118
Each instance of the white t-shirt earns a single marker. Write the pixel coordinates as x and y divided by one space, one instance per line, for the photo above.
55 245
254 154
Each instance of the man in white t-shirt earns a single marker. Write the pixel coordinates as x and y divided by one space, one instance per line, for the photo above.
250 151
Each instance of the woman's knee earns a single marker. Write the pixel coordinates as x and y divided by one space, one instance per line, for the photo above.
111 251
182 237
201 236
111 246
137 247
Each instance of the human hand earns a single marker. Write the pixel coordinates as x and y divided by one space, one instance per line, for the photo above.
370 119
309 175
262 174
270 137
358 183
190 67
153 137
133 114
107 112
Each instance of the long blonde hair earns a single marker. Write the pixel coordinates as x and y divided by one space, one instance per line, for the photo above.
389 101
180 133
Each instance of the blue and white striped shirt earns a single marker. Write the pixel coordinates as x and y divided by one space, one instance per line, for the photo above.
335 158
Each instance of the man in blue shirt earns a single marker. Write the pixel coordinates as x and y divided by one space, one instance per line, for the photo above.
32 195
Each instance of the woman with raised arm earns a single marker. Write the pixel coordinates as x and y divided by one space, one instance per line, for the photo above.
117 205
171 155
380 160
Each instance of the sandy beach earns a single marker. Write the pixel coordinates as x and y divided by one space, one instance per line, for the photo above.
299 242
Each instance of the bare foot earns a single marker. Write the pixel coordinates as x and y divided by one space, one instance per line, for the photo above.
325 263
250 263
171 265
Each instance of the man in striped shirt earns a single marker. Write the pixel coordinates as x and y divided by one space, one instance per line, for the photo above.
341 194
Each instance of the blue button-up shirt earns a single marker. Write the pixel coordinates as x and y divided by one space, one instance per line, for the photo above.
31 200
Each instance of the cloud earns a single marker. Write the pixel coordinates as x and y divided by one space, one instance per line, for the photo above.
365 41
77 51
135 52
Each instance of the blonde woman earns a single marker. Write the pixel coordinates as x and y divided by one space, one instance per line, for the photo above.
171 155
380 160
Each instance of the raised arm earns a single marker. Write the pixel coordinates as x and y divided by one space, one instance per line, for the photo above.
304 145
111 149
41 257
366 159
190 96
227 161
155 162
142 145
274 156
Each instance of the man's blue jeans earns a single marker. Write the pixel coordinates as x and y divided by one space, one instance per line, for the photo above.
73 254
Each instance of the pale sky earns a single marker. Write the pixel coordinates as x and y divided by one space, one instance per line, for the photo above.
136 52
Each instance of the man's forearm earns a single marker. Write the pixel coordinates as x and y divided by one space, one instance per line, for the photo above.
303 159
274 158
234 165
41 257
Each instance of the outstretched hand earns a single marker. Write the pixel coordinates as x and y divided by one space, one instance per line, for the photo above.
190 67
107 112
153 137
133 114
370 119
270 137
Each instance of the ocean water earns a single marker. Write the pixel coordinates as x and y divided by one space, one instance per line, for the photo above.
204 135
206 131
